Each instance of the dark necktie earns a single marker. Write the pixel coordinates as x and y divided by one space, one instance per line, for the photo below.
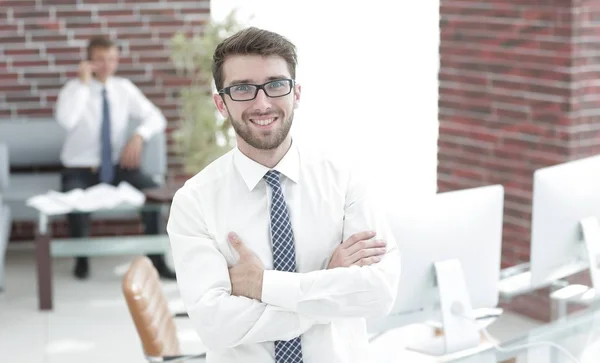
107 171
284 258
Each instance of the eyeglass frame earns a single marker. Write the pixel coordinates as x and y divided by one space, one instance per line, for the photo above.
227 90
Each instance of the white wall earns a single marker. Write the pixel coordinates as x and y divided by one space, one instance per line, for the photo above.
369 79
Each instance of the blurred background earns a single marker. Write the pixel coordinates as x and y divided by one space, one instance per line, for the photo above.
427 96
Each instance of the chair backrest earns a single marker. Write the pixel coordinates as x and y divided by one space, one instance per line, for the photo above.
149 309
38 142
32 141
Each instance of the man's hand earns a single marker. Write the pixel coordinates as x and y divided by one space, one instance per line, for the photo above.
132 153
247 275
85 71
360 250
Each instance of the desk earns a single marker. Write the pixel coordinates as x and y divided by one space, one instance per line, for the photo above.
46 247
578 333
163 194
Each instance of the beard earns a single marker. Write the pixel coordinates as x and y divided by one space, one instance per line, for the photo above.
267 139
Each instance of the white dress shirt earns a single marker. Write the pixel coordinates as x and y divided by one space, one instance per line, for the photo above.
79 111
327 204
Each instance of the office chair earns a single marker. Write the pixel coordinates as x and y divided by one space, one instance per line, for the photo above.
150 313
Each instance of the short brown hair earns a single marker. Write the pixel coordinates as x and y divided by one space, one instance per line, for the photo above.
253 41
99 41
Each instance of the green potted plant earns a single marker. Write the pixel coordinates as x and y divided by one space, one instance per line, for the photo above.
203 135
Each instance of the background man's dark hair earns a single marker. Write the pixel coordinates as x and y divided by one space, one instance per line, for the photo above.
99 41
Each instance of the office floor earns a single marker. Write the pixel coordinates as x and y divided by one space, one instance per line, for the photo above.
91 323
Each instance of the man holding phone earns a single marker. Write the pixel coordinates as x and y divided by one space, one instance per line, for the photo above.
95 109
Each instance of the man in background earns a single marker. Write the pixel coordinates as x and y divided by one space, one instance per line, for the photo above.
95 109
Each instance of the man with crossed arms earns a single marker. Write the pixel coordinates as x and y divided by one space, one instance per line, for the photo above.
274 244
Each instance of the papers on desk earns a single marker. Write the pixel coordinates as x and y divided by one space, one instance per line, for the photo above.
97 197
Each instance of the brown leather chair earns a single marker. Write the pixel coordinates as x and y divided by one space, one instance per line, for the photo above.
150 313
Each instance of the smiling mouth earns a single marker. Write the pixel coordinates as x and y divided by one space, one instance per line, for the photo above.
263 121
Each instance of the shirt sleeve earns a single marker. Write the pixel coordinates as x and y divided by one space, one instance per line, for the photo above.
152 121
367 291
72 100
220 319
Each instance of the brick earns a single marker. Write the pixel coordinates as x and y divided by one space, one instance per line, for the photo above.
74 13
154 59
197 8
6 77
84 25
148 47
126 60
135 34
159 23
182 4
160 12
6 113
71 61
65 2
42 76
9 28
83 35
55 38
13 39
51 99
21 97
42 24
21 52
39 64
99 2
14 87
70 50
35 112
49 86
125 21
30 13
19 3
108 13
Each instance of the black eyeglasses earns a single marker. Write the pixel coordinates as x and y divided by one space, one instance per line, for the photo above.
248 92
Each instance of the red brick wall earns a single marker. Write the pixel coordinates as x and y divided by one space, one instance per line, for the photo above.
518 92
42 42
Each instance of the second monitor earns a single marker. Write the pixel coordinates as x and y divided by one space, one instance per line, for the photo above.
450 246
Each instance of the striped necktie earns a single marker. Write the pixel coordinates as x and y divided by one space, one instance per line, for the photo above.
284 258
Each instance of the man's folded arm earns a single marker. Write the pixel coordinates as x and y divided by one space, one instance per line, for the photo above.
367 291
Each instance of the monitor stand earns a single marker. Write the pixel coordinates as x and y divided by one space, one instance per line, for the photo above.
582 294
460 331
591 237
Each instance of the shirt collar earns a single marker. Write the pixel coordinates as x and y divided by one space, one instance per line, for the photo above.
252 172
98 86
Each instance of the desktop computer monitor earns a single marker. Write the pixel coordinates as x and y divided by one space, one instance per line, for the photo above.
450 246
565 234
